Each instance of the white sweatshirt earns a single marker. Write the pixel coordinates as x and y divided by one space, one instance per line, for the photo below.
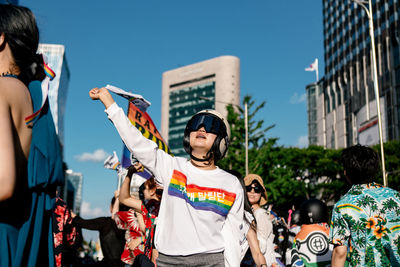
197 205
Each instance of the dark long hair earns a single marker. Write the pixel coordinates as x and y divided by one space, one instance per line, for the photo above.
18 24
246 202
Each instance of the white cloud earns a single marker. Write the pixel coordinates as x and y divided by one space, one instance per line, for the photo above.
297 99
88 212
302 141
97 156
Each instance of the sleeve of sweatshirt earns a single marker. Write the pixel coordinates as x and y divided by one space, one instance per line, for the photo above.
145 150
231 230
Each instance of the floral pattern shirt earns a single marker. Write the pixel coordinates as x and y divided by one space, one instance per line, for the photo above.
65 235
127 220
367 220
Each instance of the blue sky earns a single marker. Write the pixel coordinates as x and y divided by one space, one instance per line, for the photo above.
130 44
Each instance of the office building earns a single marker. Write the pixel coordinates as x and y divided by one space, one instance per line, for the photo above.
314 94
210 84
55 58
72 190
346 104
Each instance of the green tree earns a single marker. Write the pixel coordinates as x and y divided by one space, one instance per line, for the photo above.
392 163
290 174
235 159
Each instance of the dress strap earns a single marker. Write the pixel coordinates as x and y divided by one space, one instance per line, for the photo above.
50 74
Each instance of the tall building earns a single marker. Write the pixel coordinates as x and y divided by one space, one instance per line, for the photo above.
314 93
55 57
72 191
347 112
210 84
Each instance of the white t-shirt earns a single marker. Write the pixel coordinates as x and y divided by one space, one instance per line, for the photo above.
197 205
265 235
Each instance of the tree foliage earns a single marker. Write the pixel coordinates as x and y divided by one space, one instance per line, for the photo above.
293 174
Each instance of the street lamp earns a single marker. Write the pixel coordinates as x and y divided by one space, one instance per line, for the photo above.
245 126
375 78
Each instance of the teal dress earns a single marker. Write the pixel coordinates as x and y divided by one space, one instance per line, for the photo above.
26 236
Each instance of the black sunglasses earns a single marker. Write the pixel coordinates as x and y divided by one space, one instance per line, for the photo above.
257 188
211 123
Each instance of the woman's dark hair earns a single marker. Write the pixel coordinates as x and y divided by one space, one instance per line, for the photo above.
18 24
246 202
361 164
152 205
151 184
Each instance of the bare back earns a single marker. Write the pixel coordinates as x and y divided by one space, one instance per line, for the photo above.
15 136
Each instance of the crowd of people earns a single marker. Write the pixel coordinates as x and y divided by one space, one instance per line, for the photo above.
190 212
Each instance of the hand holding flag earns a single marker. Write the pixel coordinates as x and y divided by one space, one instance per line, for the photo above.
137 100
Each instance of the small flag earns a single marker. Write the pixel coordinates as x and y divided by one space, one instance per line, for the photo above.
112 162
137 100
313 67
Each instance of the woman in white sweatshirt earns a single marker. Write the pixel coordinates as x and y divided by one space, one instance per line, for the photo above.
200 201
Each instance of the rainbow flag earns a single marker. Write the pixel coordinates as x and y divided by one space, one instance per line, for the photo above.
202 198
112 162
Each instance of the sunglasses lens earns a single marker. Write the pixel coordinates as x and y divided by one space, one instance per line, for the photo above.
210 123
257 189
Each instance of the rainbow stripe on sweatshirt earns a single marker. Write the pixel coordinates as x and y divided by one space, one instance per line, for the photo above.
201 198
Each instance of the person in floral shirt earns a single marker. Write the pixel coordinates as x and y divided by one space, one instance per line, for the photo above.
140 220
365 225
66 237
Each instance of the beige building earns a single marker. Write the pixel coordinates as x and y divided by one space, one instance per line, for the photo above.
209 84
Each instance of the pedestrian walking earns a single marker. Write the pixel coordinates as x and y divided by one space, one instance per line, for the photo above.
365 221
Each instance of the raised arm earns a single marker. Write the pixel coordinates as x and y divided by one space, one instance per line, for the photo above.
125 195
115 207
103 95
146 151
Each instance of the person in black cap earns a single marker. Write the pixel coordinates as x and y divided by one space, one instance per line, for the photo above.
311 245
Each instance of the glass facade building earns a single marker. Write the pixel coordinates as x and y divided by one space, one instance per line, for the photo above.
312 93
72 190
183 104
210 84
55 57
349 112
